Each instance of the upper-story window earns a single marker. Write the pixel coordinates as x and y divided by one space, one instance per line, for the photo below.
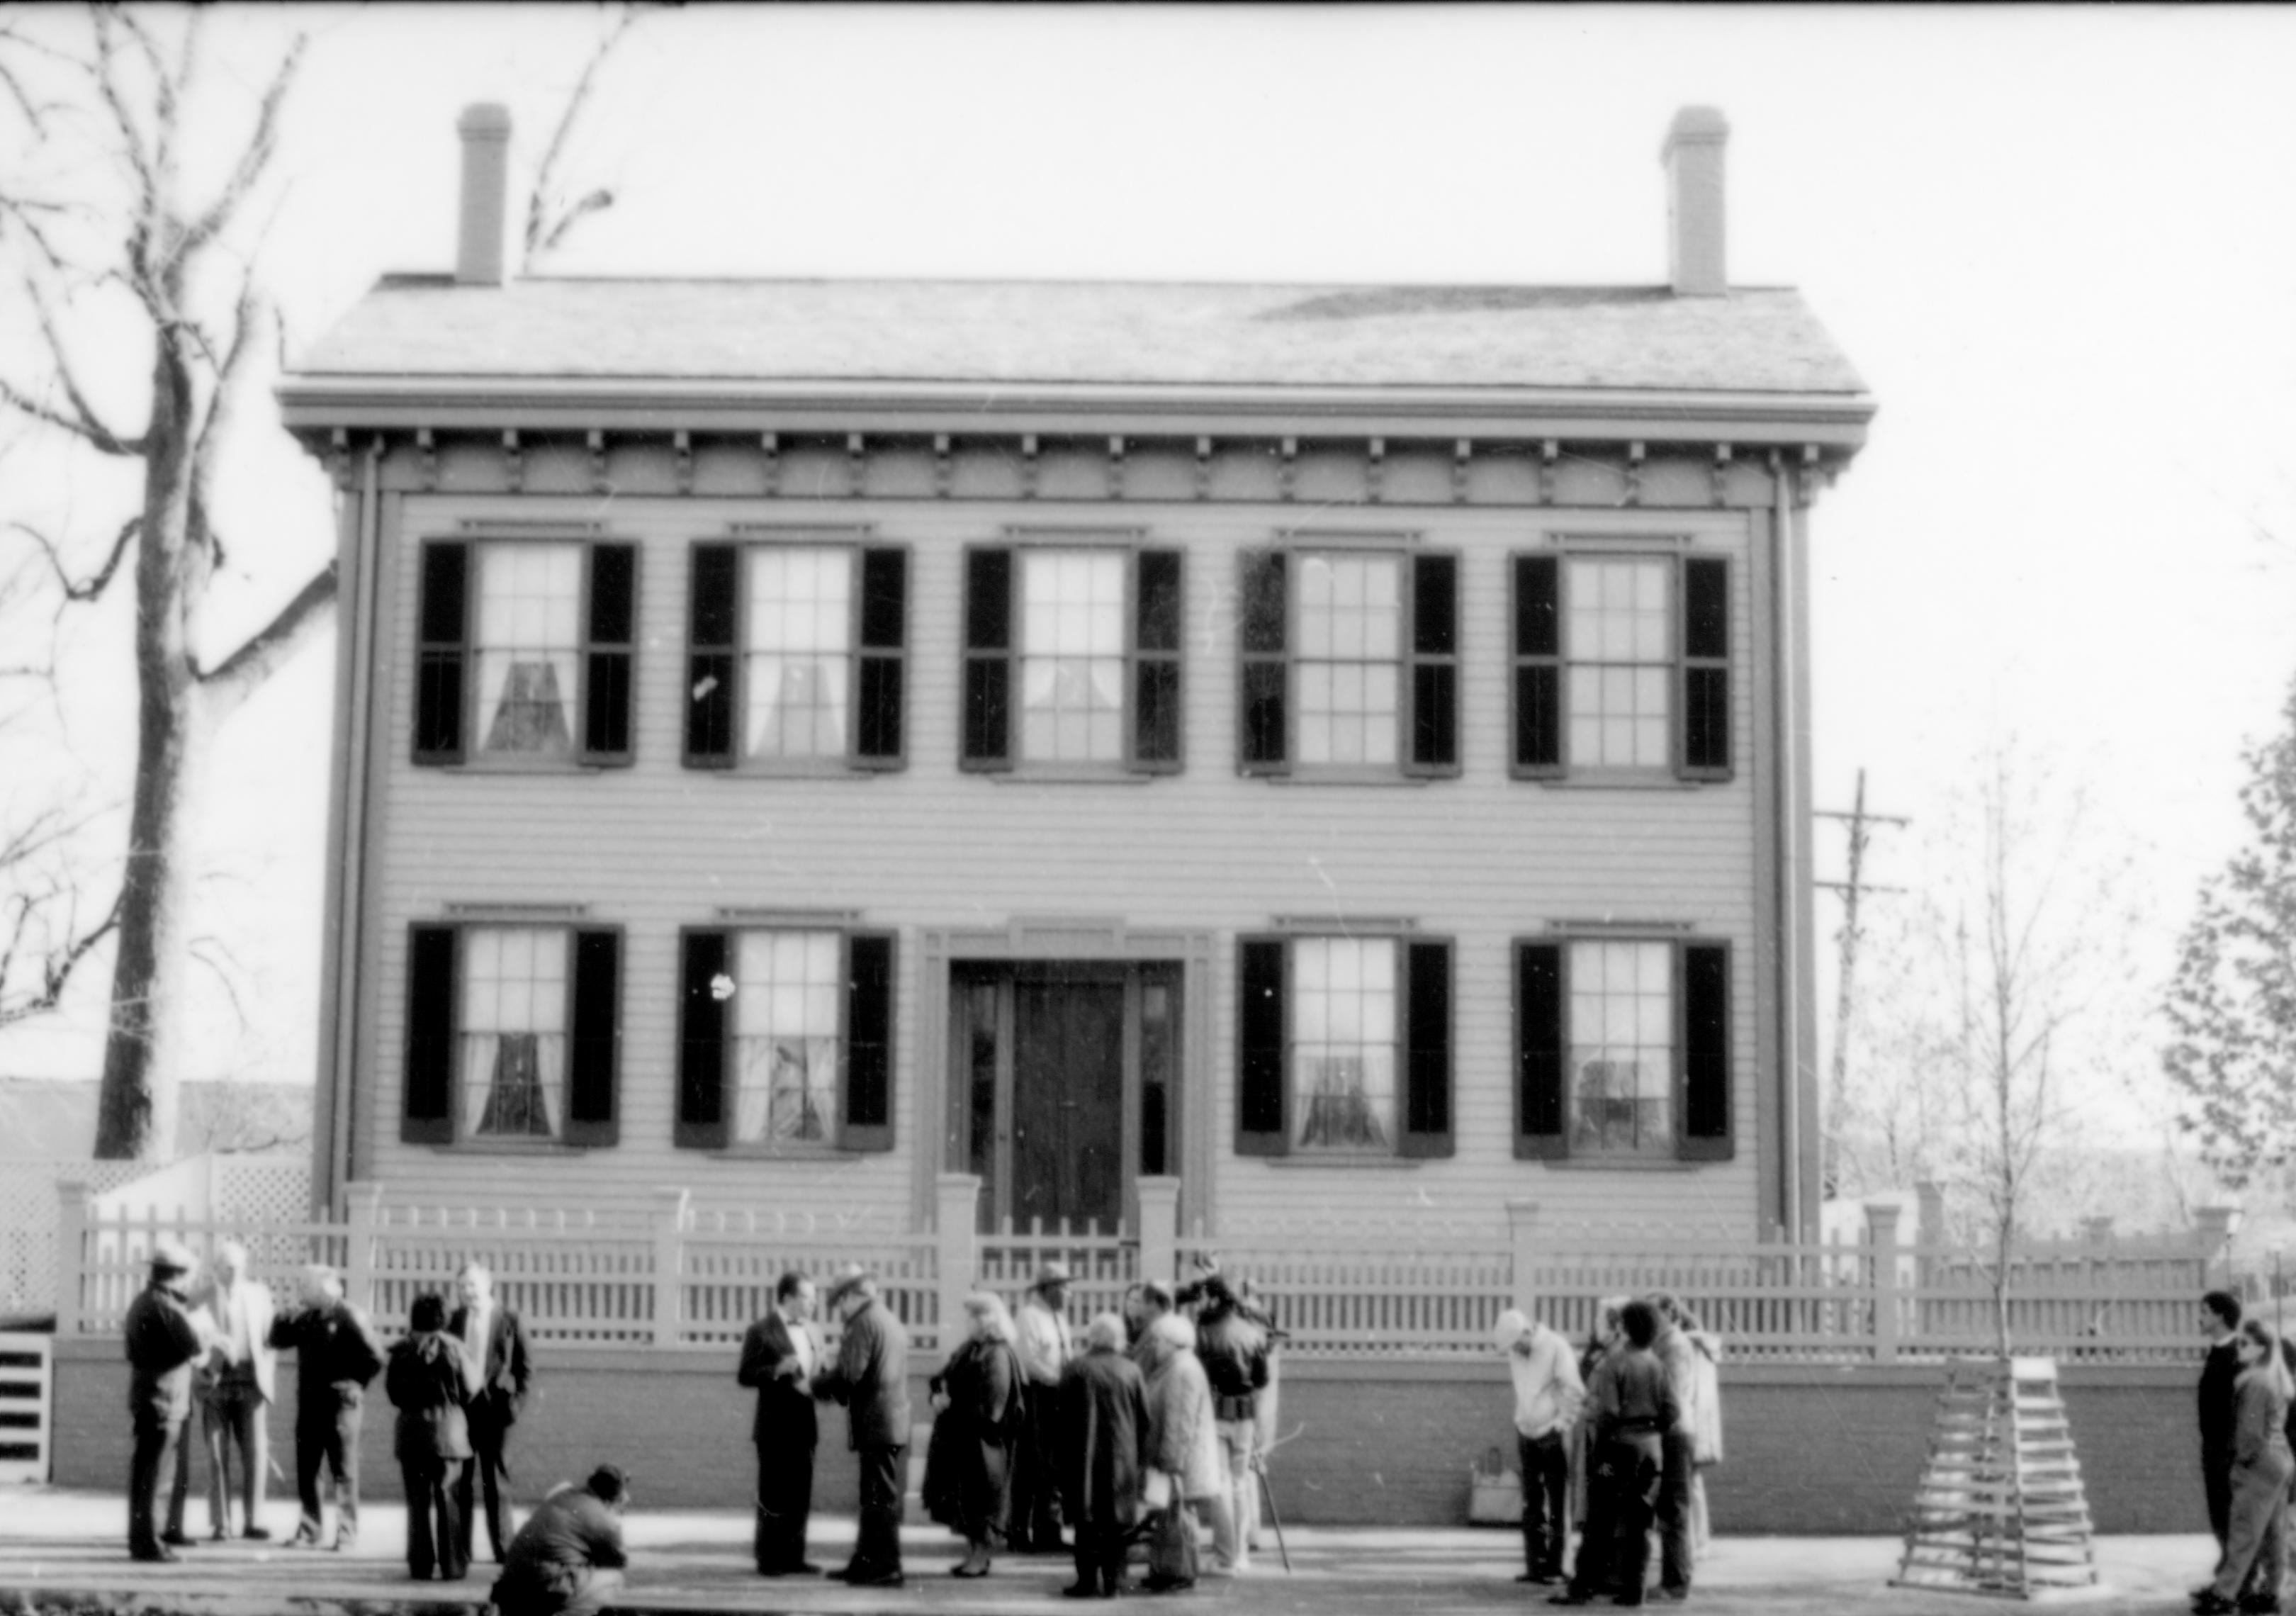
512 1035
1622 666
1623 1048
785 1039
1072 659
525 653
1344 1046
796 656
1349 662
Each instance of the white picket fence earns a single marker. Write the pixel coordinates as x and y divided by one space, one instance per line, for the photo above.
678 1279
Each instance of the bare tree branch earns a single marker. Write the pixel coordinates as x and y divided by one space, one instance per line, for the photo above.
241 673
83 422
56 968
543 232
91 588
254 158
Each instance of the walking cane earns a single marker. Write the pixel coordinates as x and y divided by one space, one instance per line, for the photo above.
1268 1497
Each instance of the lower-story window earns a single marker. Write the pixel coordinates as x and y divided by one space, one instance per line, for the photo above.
1623 1048
512 1035
1344 1046
789 1010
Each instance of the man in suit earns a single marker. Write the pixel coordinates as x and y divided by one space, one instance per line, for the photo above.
336 1355
2220 1322
163 1340
496 1370
779 1357
870 1377
242 1367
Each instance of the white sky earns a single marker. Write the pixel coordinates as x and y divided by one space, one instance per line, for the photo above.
2057 242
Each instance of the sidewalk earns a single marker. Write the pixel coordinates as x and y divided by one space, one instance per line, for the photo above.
64 1552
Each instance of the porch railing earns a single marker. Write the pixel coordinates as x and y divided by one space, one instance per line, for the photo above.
673 1278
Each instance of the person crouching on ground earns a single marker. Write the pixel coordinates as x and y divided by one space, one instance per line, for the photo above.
978 1421
425 1381
2261 1464
1547 1393
1630 1407
568 1559
1104 1436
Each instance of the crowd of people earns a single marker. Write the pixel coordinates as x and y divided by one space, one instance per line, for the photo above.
1616 1438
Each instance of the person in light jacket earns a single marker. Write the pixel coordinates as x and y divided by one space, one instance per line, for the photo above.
2261 1464
425 1383
1182 1434
237 1382
1547 1393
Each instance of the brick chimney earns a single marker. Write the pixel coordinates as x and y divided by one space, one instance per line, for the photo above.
485 130
1694 236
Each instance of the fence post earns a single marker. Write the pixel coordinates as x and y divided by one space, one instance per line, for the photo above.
1522 1217
1159 1229
1881 1239
2212 1238
955 1209
1929 1240
71 1256
669 1265
361 1218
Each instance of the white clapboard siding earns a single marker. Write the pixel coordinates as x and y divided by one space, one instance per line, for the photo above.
1481 858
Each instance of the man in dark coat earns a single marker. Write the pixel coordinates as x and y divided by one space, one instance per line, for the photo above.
336 1355
426 1383
870 1377
497 1370
568 1559
1631 1405
779 1357
1104 1448
163 1344
2220 1319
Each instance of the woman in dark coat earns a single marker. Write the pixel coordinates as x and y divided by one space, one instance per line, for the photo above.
969 1463
424 1380
1105 1426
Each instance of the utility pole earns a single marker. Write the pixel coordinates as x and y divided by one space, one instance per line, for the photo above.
1851 890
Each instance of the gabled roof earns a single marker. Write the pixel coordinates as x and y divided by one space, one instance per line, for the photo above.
997 334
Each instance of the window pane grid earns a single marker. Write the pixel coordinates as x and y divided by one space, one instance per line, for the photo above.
1344 1043
795 662
1348 668
513 1019
1617 635
1621 1033
788 1007
1072 656
527 641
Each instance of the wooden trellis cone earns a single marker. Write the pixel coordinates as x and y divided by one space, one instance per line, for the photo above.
2000 1509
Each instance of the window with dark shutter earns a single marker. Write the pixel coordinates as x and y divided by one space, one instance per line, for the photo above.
711 657
1427 1050
439 657
866 1105
1705 1053
1540 1059
595 1051
986 743
884 658
1157 616
1706 669
1434 665
1263 736
1537 666
1261 1014
702 1121
608 664
427 1112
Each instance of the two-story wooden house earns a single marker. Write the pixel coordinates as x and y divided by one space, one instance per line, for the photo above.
1344 748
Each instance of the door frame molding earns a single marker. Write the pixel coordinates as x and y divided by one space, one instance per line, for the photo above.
1079 937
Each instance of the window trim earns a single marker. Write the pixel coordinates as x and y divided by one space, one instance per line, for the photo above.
859 549
464 651
1686 1147
574 1134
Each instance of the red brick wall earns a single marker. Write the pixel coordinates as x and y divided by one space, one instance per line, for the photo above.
1807 1450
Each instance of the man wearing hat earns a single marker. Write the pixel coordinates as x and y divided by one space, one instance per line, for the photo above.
1044 1347
870 1377
336 1355
568 1559
236 1389
164 1342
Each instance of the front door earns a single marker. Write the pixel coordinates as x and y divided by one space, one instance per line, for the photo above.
1064 1087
